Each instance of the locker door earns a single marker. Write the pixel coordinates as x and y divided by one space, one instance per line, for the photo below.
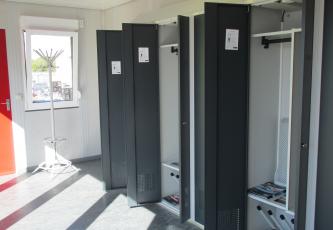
184 76
111 90
142 118
226 112
199 76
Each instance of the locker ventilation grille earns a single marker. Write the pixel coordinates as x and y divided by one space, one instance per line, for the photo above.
146 182
229 219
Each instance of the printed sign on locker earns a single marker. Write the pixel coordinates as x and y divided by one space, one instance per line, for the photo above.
143 54
231 39
116 67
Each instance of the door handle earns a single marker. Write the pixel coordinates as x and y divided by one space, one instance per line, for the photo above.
7 103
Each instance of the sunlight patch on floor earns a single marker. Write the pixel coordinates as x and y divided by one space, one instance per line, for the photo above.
26 191
64 208
119 216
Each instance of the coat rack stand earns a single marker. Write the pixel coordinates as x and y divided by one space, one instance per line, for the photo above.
54 162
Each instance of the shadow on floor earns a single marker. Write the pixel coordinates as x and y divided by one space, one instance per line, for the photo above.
88 217
39 201
14 181
163 219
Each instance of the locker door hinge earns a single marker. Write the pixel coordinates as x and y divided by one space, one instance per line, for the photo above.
304 146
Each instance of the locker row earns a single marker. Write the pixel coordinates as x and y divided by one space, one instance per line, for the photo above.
202 114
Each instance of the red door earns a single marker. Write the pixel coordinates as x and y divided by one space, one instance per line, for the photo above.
7 162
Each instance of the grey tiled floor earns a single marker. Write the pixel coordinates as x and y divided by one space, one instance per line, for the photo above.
75 200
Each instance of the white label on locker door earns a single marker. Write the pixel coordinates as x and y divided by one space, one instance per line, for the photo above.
116 67
143 54
231 39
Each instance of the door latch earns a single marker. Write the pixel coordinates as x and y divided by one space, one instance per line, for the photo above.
7 103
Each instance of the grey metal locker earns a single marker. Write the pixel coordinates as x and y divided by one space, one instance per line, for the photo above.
142 113
111 94
226 115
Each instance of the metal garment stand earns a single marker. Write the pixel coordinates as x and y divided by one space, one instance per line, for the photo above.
53 160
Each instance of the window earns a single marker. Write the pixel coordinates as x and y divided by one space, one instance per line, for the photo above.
64 70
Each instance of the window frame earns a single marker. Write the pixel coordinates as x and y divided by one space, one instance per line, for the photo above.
30 106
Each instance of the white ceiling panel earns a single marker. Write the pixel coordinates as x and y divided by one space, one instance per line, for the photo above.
85 4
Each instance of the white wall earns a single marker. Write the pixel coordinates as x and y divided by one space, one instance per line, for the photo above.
79 125
149 11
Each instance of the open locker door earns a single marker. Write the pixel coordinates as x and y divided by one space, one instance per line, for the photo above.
142 131
111 94
184 76
226 115
142 117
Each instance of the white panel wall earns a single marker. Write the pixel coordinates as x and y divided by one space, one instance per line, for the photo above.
79 125
169 106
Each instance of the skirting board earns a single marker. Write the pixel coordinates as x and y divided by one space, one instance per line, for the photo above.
74 161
